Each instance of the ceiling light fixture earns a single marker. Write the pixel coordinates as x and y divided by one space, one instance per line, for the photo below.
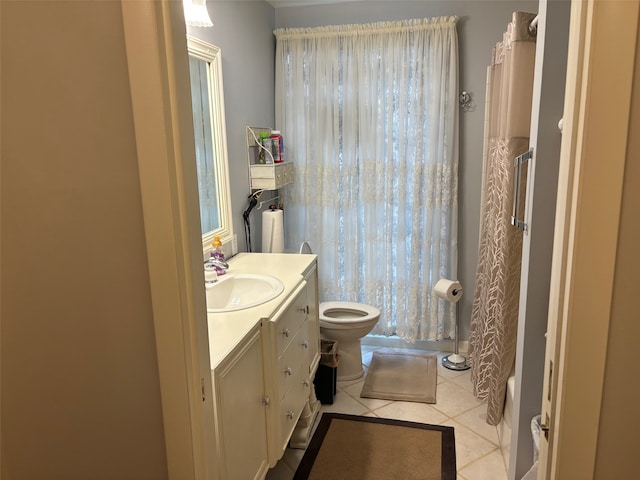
196 13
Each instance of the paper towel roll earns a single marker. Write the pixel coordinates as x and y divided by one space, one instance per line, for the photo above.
450 290
272 231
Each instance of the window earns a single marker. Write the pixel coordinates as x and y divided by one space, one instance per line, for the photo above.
205 68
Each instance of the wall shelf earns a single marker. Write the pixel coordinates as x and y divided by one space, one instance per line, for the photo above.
265 176
270 176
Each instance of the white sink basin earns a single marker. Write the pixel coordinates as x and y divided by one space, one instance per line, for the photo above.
238 291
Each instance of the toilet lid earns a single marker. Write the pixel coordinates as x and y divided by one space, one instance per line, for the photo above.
352 312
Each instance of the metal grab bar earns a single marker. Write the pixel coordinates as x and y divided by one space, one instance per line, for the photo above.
518 163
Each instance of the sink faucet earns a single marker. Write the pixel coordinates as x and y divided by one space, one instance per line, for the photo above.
217 263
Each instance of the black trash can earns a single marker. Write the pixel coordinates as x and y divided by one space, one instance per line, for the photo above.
327 374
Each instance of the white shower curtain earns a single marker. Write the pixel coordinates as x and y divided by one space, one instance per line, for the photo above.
369 116
494 317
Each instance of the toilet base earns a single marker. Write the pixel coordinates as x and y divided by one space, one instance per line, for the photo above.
350 363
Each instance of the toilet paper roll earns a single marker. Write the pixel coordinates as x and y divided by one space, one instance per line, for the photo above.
272 231
450 290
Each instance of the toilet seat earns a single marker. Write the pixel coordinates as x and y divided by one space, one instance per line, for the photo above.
353 313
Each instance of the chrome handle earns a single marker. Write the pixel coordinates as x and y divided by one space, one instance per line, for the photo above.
285 332
287 371
266 401
517 193
290 414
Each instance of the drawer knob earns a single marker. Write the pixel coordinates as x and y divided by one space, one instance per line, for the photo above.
305 382
305 344
287 371
266 401
285 332
290 414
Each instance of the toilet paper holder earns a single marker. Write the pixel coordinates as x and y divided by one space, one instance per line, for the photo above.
451 291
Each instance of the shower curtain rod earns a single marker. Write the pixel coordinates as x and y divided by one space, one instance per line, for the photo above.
533 26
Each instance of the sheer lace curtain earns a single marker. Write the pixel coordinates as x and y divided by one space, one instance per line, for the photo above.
369 116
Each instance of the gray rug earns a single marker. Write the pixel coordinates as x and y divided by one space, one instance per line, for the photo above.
400 376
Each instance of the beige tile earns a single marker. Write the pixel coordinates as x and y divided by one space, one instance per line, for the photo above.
354 388
452 399
469 445
489 467
475 420
411 412
340 384
446 373
344 403
464 380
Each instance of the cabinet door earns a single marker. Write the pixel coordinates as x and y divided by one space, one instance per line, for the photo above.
240 411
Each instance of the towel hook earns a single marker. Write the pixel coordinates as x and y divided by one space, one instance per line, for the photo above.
465 101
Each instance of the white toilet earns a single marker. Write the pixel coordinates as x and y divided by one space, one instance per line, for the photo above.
347 323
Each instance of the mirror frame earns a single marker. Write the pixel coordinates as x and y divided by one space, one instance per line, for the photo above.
212 55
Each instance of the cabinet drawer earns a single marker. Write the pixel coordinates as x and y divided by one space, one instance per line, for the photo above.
289 368
287 325
291 408
272 176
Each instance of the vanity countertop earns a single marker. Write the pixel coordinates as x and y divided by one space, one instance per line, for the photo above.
226 329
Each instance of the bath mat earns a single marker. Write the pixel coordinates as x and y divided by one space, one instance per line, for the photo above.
399 376
348 447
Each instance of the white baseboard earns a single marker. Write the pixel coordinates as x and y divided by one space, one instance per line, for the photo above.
397 342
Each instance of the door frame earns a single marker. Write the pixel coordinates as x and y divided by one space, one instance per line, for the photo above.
156 46
594 148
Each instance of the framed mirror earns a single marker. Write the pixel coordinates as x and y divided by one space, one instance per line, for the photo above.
207 99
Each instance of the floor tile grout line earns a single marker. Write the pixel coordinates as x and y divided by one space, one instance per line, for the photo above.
475 460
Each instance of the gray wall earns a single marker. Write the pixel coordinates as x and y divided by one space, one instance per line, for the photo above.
243 30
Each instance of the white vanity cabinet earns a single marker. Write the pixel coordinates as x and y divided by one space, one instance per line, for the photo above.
263 361
241 411
292 352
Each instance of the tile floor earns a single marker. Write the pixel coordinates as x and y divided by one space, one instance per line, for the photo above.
478 455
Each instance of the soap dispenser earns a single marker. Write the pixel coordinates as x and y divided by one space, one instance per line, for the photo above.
218 254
